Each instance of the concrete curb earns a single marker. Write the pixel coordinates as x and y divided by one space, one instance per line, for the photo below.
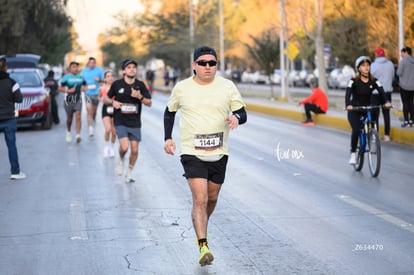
400 135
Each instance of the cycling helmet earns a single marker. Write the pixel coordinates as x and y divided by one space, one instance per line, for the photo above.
361 59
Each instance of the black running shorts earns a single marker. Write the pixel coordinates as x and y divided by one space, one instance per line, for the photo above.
214 171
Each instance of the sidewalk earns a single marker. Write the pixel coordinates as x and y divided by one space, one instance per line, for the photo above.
336 117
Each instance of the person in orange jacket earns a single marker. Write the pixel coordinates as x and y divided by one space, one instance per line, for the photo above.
317 102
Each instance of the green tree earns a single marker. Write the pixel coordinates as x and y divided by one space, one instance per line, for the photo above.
348 37
266 52
162 30
169 37
41 27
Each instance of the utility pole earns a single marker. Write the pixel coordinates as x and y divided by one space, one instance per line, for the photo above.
222 58
400 25
282 55
191 34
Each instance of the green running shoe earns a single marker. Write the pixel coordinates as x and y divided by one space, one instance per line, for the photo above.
206 257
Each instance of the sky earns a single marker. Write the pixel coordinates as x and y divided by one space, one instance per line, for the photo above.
92 17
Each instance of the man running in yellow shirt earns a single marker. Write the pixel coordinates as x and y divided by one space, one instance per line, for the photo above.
210 106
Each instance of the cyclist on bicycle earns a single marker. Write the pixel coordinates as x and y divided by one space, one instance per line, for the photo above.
359 93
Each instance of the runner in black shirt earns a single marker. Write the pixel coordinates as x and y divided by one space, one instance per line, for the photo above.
53 86
127 96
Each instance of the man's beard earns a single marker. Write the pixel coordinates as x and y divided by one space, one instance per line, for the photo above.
130 76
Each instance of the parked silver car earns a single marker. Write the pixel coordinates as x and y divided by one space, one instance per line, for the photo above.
338 78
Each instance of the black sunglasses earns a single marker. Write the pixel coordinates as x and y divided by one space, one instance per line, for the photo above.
204 63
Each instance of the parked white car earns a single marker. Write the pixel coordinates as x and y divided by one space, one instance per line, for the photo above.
338 78
259 77
276 77
347 72
247 77
333 78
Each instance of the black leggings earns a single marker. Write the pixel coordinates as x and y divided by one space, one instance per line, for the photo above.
387 117
309 107
407 98
385 111
354 118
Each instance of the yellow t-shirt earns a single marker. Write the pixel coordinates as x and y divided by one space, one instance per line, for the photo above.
203 129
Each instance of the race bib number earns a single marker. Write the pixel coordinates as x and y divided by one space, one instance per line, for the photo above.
91 86
129 108
110 109
208 142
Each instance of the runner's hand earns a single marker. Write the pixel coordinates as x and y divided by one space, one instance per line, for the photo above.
169 146
116 104
136 93
71 90
233 121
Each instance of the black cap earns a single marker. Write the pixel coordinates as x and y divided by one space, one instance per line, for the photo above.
203 50
126 62
73 62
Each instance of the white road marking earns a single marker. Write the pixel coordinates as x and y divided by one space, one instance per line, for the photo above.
380 214
78 220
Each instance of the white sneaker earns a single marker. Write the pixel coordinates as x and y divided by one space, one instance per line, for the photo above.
128 176
78 138
19 176
387 138
68 137
111 152
352 160
119 170
106 152
90 131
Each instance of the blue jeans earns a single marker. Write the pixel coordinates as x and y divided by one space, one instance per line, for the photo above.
9 127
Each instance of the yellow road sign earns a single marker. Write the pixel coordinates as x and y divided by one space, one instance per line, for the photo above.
293 51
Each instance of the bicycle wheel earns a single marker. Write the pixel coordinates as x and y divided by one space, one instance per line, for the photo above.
359 157
374 153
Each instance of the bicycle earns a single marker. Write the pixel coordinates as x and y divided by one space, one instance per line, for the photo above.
369 142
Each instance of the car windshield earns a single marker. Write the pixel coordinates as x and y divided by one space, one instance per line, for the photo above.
26 78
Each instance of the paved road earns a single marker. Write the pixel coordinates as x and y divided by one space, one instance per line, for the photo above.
290 205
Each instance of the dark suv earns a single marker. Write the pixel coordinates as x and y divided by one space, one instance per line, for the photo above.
36 107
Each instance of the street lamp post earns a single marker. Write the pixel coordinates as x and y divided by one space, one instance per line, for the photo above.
191 34
282 56
222 58
400 25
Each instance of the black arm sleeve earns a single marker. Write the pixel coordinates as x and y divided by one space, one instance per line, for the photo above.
169 118
241 115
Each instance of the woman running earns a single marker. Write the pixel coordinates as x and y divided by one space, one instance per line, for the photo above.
107 116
